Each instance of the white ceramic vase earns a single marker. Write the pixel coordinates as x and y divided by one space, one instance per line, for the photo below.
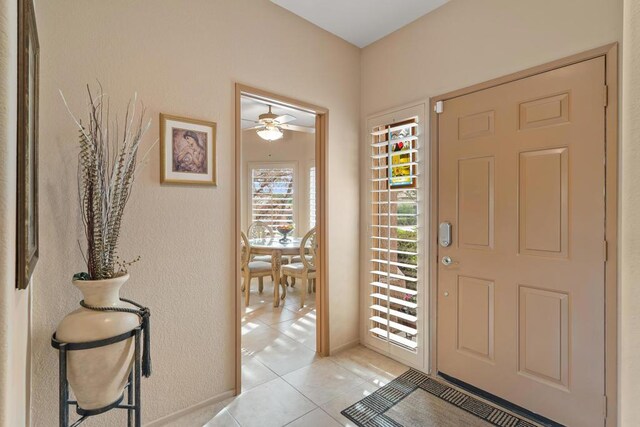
98 376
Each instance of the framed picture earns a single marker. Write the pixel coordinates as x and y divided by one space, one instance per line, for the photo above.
27 165
402 160
187 151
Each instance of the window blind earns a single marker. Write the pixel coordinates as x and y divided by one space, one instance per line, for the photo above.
394 234
312 197
272 195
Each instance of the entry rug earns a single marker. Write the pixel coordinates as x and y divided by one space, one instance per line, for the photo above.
403 403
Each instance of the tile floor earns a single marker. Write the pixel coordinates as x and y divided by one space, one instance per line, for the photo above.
283 381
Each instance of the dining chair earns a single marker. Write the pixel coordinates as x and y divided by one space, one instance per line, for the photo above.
261 230
305 269
252 268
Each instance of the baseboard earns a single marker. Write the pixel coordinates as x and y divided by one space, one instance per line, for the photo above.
346 346
182 412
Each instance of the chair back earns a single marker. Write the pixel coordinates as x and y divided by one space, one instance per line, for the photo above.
260 230
310 244
245 250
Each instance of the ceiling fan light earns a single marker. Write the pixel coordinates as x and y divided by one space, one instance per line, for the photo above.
270 133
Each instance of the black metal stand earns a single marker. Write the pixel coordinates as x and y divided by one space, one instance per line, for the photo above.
134 416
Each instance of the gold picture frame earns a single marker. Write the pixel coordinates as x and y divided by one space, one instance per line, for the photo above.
187 151
27 248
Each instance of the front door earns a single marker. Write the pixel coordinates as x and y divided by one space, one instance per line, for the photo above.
521 286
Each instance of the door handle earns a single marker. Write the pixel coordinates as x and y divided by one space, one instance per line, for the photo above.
446 260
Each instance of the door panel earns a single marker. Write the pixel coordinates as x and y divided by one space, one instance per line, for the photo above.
475 203
521 180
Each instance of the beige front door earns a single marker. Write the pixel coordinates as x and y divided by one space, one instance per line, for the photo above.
520 306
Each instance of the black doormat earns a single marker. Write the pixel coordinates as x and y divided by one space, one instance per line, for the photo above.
373 410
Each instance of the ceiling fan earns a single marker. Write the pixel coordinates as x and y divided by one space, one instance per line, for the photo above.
269 125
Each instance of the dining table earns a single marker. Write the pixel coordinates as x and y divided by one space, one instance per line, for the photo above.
277 249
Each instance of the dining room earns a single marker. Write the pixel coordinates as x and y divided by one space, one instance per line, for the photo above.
279 250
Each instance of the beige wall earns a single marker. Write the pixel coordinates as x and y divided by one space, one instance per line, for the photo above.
183 59
294 147
14 304
630 226
469 41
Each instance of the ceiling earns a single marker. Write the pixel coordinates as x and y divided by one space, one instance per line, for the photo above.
251 108
360 22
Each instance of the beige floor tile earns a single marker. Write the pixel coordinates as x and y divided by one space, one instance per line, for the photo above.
272 404
255 373
302 329
293 298
323 381
337 405
270 315
285 355
256 336
369 365
315 418
203 415
222 419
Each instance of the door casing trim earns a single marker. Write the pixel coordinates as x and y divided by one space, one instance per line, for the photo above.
322 283
610 53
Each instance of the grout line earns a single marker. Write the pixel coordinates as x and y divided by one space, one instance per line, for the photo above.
333 418
232 417
268 368
306 413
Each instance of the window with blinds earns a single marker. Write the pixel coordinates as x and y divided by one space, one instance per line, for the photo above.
272 194
395 234
312 197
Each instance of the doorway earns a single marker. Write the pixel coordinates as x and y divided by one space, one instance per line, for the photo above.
524 196
280 209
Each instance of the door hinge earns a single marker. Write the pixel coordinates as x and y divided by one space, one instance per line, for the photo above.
605 248
439 107
606 95
604 406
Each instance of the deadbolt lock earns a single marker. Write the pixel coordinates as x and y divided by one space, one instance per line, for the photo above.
444 234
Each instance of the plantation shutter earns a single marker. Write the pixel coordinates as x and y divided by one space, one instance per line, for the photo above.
272 193
312 197
394 238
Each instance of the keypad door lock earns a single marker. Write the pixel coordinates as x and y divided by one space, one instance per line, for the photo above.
444 234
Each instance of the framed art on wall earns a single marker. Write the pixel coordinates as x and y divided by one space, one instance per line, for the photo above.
187 151
27 145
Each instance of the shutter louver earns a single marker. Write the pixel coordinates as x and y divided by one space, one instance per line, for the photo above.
312 197
272 195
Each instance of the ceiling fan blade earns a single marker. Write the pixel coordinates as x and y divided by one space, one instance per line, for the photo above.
285 118
298 128
254 127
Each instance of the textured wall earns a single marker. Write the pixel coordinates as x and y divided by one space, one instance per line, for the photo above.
183 58
468 41
630 225
14 305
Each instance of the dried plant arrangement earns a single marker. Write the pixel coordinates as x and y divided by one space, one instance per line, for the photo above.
107 164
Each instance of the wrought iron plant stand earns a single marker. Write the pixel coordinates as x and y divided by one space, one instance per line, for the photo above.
132 388
141 367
